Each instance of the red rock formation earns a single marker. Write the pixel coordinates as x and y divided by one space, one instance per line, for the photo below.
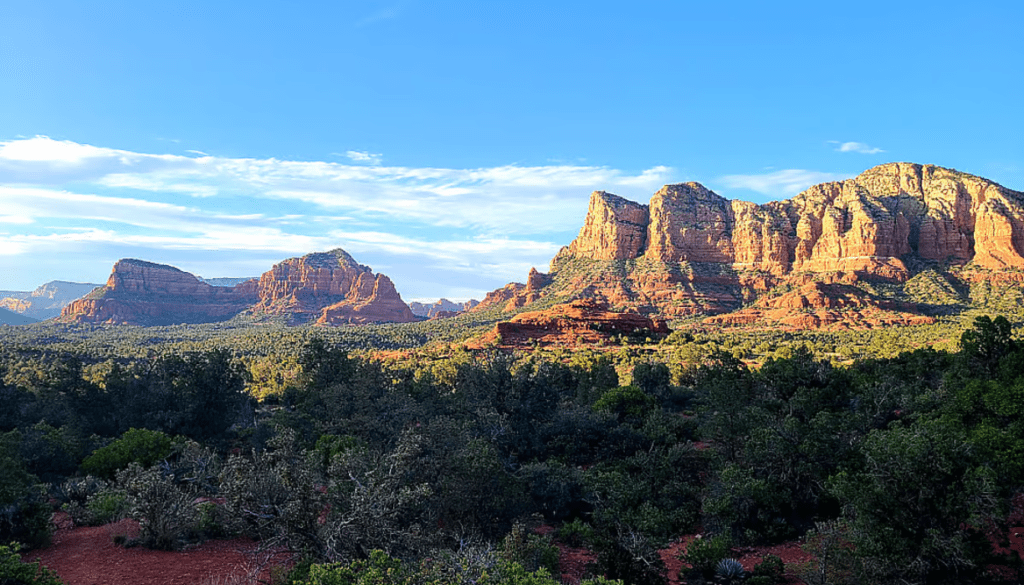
144 293
615 229
865 224
501 297
383 304
328 288
824 306
582 321
703 254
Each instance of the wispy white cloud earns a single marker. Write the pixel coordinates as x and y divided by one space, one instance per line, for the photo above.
43 148
858 147
18 219
782 183
504 200
439 225
362 156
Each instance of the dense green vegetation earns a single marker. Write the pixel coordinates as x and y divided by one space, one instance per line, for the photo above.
426 467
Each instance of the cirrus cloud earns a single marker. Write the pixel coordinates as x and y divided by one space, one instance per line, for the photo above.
432 226
858 147
783 183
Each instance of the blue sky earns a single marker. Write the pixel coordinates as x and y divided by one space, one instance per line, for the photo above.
453 145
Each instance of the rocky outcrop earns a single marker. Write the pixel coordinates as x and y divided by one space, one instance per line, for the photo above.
579 322
382 305
144 293
824 306
704 254
866 224
326 288
615 229
510 293
329 288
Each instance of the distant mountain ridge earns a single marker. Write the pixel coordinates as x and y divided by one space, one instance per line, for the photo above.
228 281
46 301
431 310
328 288
805 262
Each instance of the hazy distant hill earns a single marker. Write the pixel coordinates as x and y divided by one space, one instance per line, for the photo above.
430 310
47 301
12 318
225 281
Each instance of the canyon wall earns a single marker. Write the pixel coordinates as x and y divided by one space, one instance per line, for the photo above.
867 224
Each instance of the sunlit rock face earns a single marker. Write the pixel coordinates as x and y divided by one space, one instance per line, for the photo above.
326 288
691 251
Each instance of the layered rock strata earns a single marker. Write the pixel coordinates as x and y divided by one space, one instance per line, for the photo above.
865 224
579 322
144 293
329 288
325 288
691 251
824 306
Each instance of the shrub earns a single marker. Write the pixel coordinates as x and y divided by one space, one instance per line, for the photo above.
14 571
165 512
532 551
626 403
704 554
771 567
24 513
90 501
468 566
576 533
623 553
140 446
108 506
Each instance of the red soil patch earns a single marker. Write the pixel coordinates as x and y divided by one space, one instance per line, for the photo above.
574 563
749 557
88 556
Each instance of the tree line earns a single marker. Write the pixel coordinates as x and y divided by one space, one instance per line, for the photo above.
898 469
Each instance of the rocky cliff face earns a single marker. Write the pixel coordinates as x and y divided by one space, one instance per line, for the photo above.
326 288
143 293
691 251
615 229
865 224
330 288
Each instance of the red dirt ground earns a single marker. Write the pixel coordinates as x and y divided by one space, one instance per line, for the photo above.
88 556
749 557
